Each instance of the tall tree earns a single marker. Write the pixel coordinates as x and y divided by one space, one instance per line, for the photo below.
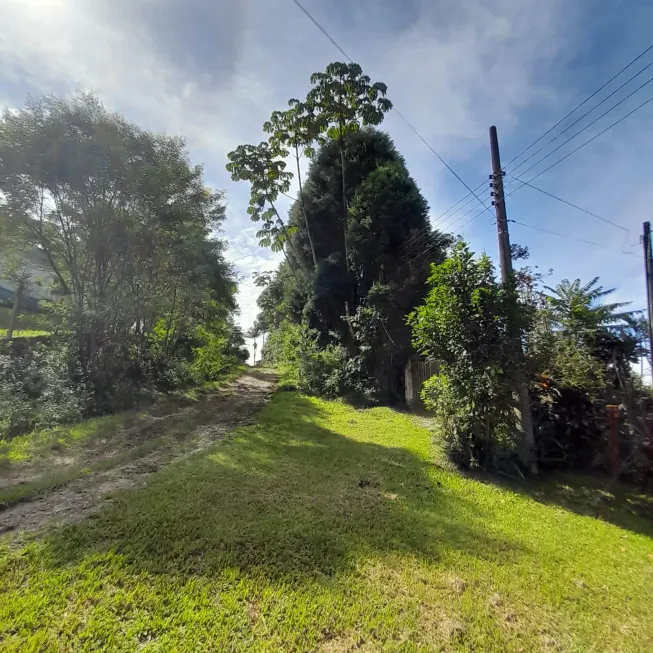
125 221
343 98
386 213
297 128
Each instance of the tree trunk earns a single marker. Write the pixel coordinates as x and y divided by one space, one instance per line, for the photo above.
350 276
344 202
301 196
14 310
292 269
285 231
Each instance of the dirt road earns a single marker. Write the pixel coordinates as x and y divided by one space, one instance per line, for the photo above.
141 447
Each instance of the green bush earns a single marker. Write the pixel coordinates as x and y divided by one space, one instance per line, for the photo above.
466 323
327 371
37 389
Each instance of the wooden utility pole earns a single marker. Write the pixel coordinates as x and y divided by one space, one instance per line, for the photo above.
505 259
648 265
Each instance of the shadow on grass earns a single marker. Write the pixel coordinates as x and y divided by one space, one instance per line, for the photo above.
590 495
286 498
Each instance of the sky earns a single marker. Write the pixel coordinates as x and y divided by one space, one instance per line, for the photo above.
213 71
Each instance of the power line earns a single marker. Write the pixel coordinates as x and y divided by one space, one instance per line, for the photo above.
630 113
417 236
428 238
575 206
441 218
528 183
450 226
478 215
581 240
571 138
637 58
440 223
397 112
587 113
473 192
416 241
435 242
585 101
333 41
444 163
408 259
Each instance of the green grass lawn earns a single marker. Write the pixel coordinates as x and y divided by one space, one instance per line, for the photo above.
323 528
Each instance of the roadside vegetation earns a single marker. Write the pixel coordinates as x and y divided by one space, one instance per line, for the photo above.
367 286
321 527
143 298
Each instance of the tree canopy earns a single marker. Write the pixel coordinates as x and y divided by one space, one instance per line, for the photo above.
385 276
126 223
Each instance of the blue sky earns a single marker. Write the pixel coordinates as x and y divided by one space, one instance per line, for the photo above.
212 71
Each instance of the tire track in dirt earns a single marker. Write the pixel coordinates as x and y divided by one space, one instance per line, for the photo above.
214 416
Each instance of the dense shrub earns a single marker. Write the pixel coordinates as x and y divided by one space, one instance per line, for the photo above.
37 389
475 424
324 370
145 296
466 324
570 428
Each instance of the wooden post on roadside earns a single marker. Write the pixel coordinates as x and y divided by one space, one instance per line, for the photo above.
505 259
648 266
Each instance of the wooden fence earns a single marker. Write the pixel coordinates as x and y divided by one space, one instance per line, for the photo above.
416 372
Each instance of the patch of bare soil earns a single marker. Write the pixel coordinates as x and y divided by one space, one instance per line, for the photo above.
188 429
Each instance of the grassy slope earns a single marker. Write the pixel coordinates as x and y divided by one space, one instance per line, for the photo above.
325 528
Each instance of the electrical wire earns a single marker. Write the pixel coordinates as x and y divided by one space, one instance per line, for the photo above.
580 240
397 112
630 113
579 208
478 215
570 113
464 215
571 138
442 219
524 183
435 243
575 206
408 260
426 239
585 101
587 113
